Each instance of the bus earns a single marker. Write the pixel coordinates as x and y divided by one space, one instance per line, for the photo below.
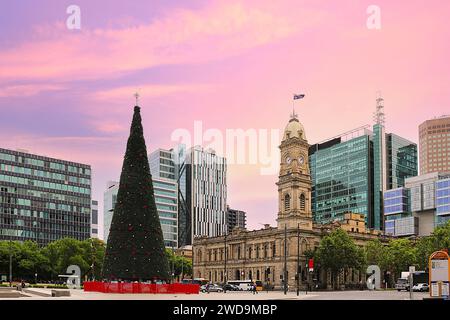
199 281
245 285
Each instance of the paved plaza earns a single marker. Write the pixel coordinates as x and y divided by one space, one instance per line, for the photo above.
45 294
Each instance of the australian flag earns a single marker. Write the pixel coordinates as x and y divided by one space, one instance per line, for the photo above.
298 96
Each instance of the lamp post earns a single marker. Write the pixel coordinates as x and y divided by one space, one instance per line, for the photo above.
285 260
298 259
173 263
225 278
10 262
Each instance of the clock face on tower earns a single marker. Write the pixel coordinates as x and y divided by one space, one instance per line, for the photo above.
301 160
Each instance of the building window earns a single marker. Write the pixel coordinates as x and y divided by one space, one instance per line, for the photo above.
287 202
302 202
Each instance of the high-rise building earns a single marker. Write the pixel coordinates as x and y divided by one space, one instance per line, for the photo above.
109 202
419 207
351 172
162 164
235 218
434 143
342 177
94 219
201 175
43 199
166 199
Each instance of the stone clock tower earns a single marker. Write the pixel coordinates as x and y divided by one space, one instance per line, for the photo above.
294 183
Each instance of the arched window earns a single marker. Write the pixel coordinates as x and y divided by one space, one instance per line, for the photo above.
250 252
302 202
257 274
265 252
239 252
287 202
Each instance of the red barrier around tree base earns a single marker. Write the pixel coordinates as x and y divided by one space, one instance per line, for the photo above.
108 287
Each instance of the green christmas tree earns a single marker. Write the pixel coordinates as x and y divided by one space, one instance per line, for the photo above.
135 249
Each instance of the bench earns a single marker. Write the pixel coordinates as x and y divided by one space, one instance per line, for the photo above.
60 293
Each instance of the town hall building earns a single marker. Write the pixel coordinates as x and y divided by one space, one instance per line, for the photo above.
272 254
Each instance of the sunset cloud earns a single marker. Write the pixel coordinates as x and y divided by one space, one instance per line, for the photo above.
183 36
27 90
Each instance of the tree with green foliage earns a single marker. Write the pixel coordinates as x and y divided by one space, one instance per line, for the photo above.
135 247
28 259
180 266
337 251
375 253
438 240
399 255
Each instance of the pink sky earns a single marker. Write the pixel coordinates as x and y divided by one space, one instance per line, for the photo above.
229 64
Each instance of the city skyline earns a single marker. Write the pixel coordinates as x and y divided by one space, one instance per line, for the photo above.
66 100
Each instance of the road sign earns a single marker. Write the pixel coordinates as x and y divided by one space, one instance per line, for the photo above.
439 277
311 265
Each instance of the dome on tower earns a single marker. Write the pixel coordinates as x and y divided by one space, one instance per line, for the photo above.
294 129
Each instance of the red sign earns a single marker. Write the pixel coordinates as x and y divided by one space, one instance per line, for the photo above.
311 264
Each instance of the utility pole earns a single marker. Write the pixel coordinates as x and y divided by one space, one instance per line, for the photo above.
285 260
173 262
225 277
298 259
10 262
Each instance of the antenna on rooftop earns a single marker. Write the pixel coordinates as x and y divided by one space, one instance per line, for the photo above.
379 115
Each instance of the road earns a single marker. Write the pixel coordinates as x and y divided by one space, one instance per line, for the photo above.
272 295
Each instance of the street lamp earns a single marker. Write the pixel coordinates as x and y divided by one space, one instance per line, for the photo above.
298 259
225 262
285 260
10 262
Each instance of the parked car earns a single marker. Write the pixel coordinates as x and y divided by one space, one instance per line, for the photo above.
421 287
402 284
211 288
231 287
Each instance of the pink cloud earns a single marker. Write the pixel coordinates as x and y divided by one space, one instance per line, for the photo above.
182 36
27 90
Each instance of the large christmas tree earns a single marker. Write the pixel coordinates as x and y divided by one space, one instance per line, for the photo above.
135 248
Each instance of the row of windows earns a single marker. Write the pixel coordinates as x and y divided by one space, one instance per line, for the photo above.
44 174
45 196
45 164
44 184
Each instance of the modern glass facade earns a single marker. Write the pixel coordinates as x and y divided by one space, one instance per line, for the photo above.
166 199
341 175
442 201
380 175
201 177
425 201
352 175
43 199
402 160
396 201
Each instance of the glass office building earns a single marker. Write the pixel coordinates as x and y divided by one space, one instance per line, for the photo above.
342 179
419 207
351 172
442 201
202 194
166 199
398 220
43 199
402 160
